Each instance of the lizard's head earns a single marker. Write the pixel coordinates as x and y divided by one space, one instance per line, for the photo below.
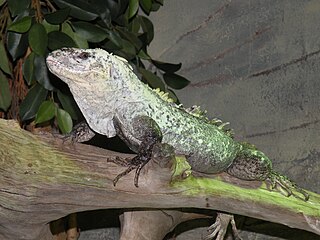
87 67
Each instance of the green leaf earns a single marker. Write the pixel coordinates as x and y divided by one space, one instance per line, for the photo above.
147 28
17 44
134 25
143 55
146 5
46 112
80 42
155 7
111 47
38 39
28 68
105 16
5 95
90 10
31 103
128 51
173 96
2 2
132 38
64 121
167 67
133 7
50 27
111 6
153 80
57 17
67 29
41 73
79 9
21 26
58 40
175 81
18 6
115 39
90 32
69 105
4 61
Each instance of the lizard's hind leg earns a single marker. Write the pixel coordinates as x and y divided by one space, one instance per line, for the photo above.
252 164
141 136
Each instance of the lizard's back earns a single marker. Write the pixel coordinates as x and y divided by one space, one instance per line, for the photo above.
105 87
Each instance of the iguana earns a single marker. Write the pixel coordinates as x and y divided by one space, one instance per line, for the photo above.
115 102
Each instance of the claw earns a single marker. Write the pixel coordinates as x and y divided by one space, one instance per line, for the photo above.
80 133
285 186
129 169
219 228
136 163
136 176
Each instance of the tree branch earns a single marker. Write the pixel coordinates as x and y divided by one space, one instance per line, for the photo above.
43 179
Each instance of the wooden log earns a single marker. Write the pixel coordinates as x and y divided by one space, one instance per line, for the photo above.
43 179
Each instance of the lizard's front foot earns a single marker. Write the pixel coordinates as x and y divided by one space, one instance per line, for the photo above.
147 131
80 133
285 186
161 152
219 228
137 163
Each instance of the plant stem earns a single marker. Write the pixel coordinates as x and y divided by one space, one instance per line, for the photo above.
37 6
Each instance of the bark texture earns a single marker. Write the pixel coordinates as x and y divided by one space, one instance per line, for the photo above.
43 179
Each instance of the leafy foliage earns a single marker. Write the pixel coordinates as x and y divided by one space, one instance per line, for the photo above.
31 29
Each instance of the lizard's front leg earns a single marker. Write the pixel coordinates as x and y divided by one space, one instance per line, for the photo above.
81 132
141 136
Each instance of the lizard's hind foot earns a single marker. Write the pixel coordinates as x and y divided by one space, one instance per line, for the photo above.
219 228
285 186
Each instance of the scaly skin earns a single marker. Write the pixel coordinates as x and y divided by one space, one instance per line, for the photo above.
105 88
114 101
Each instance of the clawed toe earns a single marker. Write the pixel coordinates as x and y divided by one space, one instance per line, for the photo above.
286 186
219 228
128 170
136 163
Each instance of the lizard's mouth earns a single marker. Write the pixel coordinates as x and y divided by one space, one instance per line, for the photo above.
51 62
58 67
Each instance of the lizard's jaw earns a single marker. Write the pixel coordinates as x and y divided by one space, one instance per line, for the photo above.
55 68
74 66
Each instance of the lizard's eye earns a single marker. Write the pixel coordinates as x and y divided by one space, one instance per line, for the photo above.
83 55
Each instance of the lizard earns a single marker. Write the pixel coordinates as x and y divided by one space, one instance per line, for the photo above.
115 102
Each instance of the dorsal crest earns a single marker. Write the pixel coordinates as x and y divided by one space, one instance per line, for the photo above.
196 111
163 95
